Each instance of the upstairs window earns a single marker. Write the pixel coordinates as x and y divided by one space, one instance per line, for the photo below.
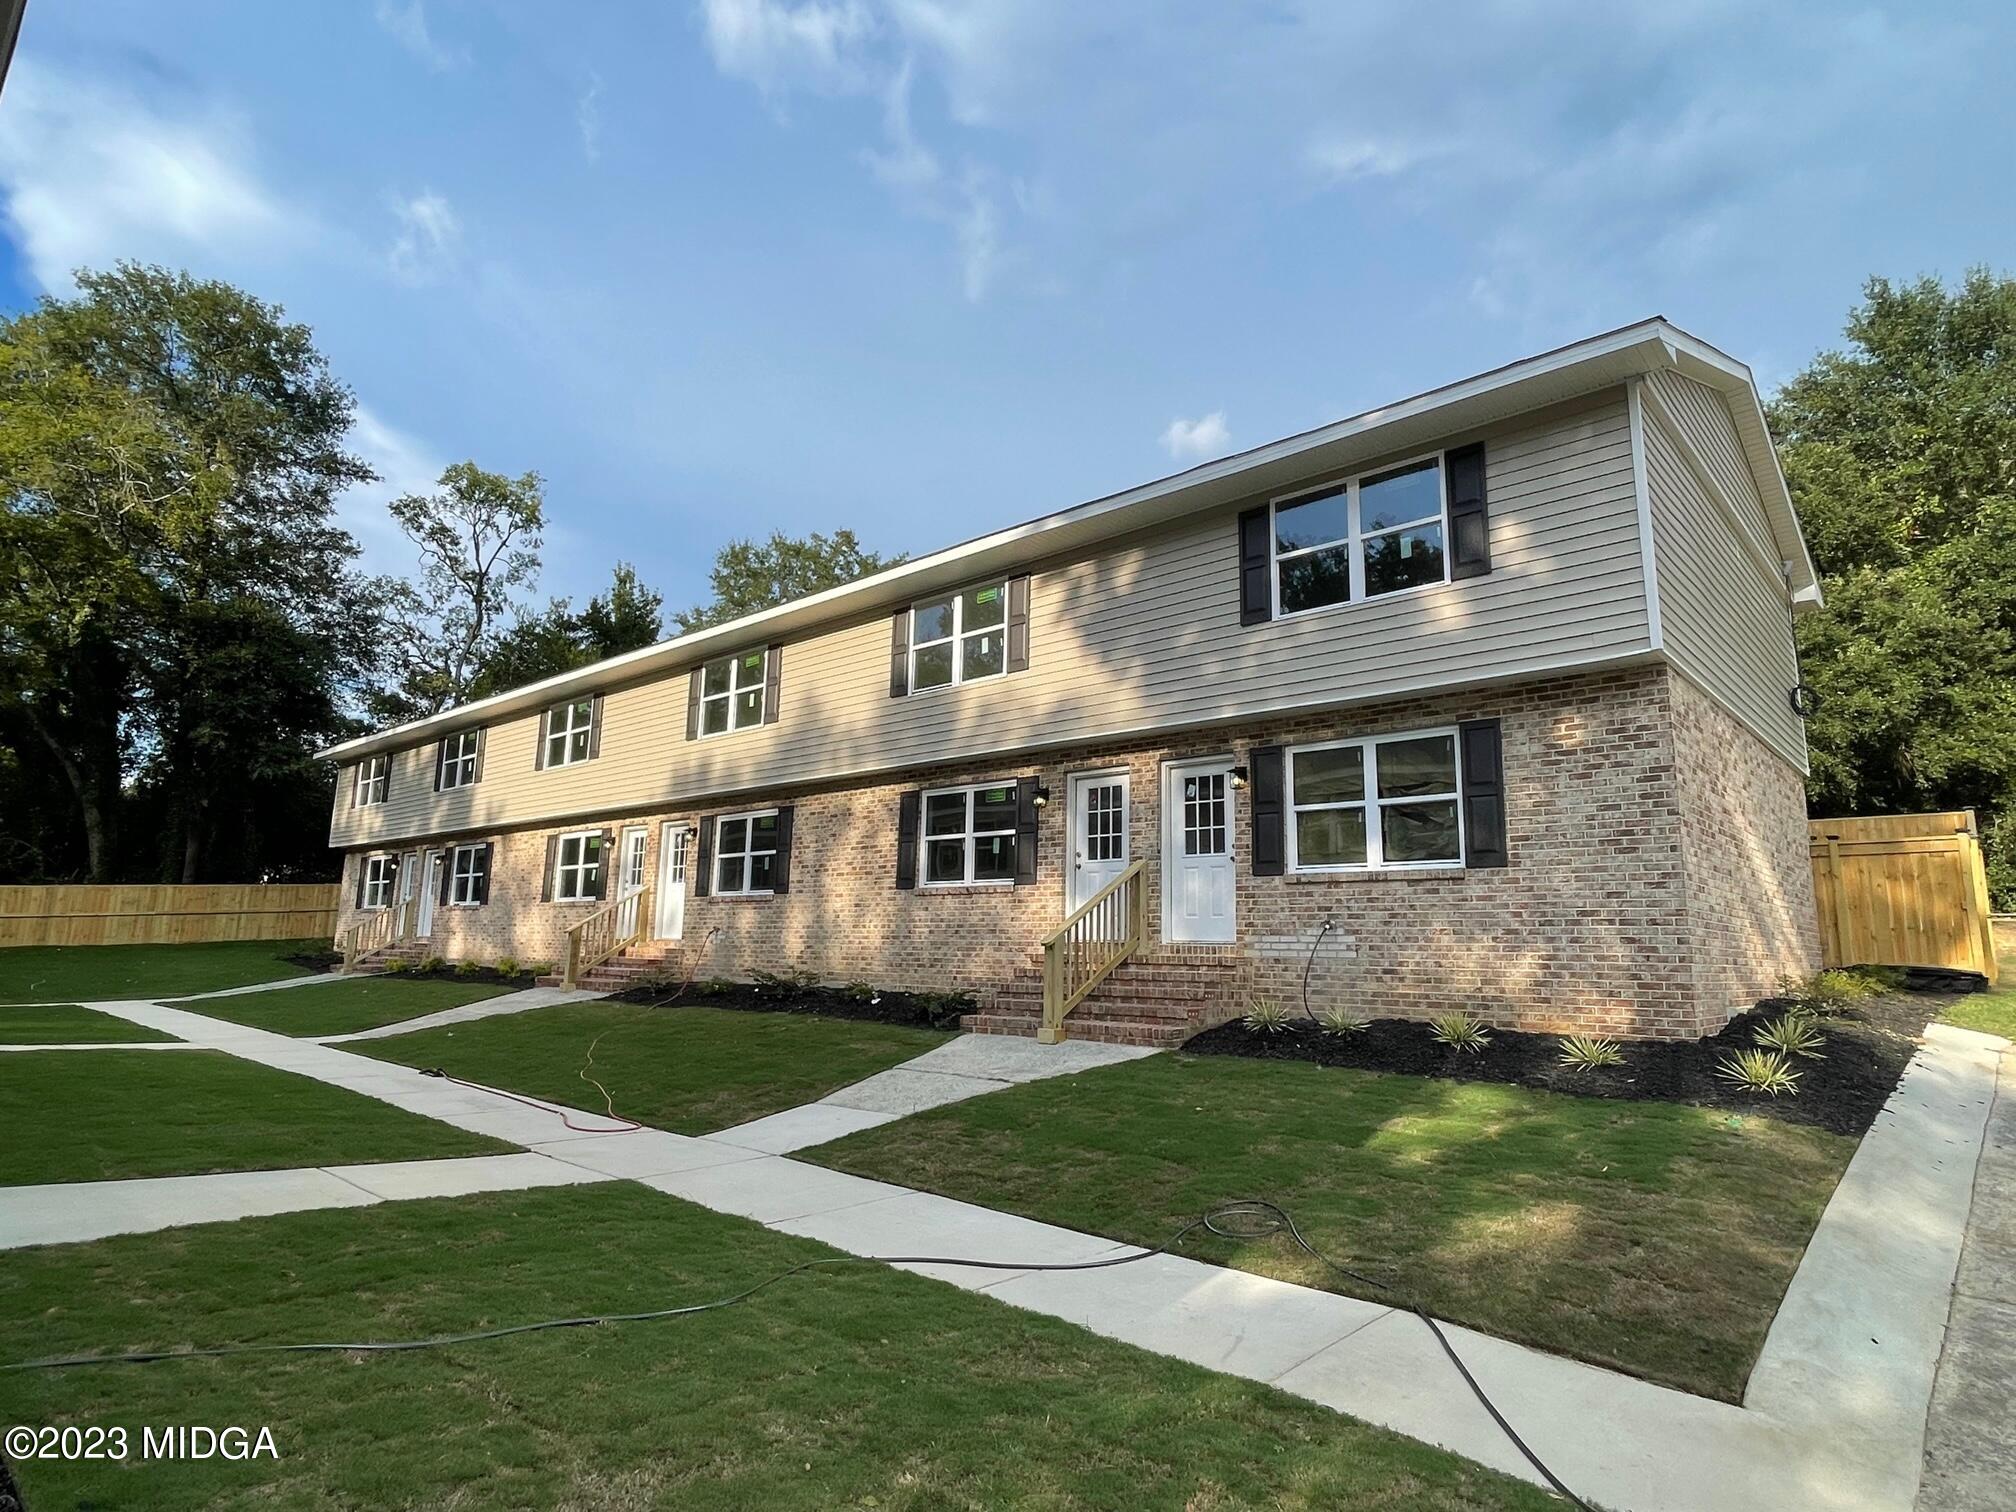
969 834
569 732
960 638
374 778
458 758
577 867
731 692
379 873
1390 802
745 853
1361 539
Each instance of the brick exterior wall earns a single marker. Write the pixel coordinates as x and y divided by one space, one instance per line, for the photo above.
1617 915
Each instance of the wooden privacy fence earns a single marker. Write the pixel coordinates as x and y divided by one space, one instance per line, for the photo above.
1903 890
167 914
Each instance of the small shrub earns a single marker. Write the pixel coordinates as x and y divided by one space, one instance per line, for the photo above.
468 968
1828 993
1341 1023
507 966
434 963
1266 1017
1793 1034
716 986
399 964
1759 1071
539 968
1585 1052
1459 1032
862 992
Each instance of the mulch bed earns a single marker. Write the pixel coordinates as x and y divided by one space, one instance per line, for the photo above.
1867 1049
921 1010
312 960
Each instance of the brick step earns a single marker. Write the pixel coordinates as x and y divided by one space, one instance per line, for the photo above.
1094 1007
1171 983
1121 988
1110 1032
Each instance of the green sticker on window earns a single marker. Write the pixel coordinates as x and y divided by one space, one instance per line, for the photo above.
986 595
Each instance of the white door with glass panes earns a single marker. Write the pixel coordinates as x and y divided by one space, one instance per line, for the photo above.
430 889
629 880
1099 846
409 883
673 840
1200 877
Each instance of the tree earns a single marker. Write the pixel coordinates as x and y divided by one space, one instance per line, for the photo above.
478 536
1901 456
558 640
749 576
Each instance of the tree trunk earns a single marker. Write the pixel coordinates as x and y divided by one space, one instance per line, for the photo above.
88 786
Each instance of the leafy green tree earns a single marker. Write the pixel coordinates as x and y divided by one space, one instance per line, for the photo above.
1901 455
749 575
628 617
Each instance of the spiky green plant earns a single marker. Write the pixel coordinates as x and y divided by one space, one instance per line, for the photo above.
1459 1032
1266 1017
1793 1034
1764 1071
1341 1023
1584 1052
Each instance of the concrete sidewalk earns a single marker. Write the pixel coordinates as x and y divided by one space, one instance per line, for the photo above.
511 1002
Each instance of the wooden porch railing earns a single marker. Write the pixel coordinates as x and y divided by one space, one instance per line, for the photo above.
385 927
599 936
1102 932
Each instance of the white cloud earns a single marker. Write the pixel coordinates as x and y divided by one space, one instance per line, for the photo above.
588 118
404 465
92 174
1342 159
1196 440
774 44
428 240
407 25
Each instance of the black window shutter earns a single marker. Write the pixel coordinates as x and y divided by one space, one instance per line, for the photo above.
482 740
448 871
483 879
1025 831
1269 804
780 871
355 772
773 675
1469 515
1256 587
440 759
693 704
899 654
539 751
552 861
909 813
595 727
1483 793
1018 623
703 871
363 871
608 864
391 760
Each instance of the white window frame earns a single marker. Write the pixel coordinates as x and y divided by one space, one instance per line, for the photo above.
458 874
458 755
380 885
732 696
564 732
1356 535
373 781
1373 804
925 839
958 638
577 868
750 850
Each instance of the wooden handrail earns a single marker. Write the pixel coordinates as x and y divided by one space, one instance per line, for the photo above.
601 935
386 926
1082 952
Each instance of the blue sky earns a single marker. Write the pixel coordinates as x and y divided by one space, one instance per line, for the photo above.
923 267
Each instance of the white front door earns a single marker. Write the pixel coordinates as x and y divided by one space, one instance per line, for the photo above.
672 840
430 889
409 882
629 879
1200 873
1099 845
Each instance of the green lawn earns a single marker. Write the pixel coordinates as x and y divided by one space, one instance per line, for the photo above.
86 973
690 1070
346 1007
1991 1012
69 1024
1651 1237
102 1115
862 1387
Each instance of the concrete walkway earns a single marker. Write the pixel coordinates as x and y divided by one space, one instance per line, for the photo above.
1834 1418
1970 1437
510 1002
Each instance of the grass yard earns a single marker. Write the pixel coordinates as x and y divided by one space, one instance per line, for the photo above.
1991 1012
862 1387
690 1070
346 1007
69 1024
86 973
104 1115
1657 1238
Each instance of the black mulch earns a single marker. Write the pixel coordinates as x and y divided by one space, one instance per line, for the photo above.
921 1010
1866 1051
487 976
315 960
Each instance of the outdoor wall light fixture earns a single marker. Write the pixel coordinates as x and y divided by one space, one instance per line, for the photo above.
1239 778
1042 798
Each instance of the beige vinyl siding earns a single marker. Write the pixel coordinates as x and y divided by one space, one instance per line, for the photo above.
1726 621
1142 636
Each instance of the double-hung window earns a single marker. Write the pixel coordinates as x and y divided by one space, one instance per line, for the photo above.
374 777
745 853
379 874
468 875
1388 802
731 692
577 867
960 638
969 835
568 730
1360 539
458 758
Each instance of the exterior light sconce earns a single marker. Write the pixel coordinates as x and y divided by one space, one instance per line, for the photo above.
1042 797
1239 776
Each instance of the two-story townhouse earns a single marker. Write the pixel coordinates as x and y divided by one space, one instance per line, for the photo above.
1485 700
